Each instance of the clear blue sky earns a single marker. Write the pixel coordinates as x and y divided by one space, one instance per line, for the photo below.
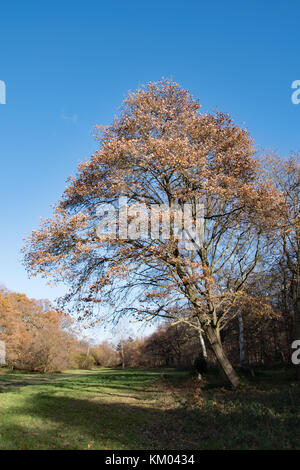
67 66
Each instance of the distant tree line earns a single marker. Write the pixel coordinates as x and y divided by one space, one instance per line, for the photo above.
39 338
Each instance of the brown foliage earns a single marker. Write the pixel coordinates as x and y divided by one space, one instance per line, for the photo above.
33 336
105 355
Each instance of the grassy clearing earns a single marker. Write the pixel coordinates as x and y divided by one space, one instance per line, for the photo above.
146 409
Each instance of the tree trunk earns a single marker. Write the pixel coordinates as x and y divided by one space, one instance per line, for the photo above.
202 344
241 341
122 355
201 341
297 322
221 356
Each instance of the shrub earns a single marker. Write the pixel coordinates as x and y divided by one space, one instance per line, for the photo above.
200 364
82 360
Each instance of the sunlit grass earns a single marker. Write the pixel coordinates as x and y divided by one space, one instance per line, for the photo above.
145 409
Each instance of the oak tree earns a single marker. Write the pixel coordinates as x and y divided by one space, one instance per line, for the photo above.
161 150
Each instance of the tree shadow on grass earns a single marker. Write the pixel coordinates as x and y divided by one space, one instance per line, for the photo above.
61 422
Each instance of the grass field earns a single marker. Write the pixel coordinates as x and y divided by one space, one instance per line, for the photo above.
146 409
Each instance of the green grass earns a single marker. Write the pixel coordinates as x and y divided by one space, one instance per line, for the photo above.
146 409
